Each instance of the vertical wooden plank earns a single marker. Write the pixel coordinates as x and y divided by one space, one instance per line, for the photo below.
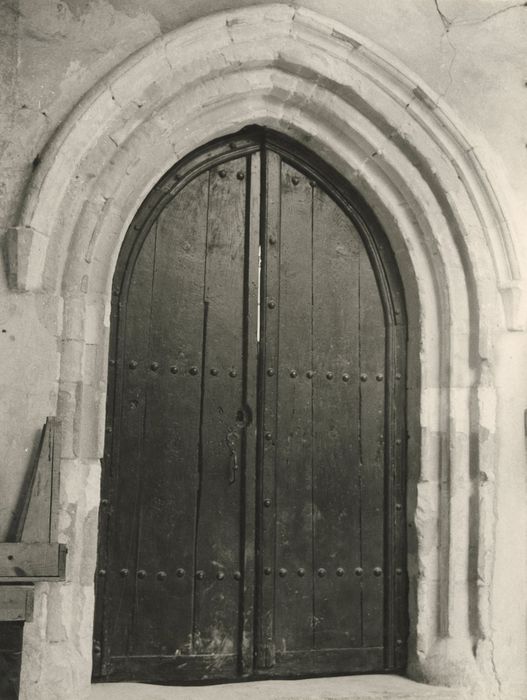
124 464
336 425
372 441
267 418
219 560
293 438
170 464
250 381
397 405
38 521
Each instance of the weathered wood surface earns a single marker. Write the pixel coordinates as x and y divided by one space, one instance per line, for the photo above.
251 468
16 603
39 517
36 555
33 561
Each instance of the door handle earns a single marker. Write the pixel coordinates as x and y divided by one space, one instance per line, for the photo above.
232 439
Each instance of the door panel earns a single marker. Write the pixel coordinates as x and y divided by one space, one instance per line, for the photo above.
294 433
170 426
336 491
219 507
252 518
325 398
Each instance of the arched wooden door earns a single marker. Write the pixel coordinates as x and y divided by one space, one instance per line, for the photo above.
253 500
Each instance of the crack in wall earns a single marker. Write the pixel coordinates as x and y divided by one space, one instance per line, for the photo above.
447 24
450 23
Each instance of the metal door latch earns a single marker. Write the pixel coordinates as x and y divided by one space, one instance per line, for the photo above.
231 440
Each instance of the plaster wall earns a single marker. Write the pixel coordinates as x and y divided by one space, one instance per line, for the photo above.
472 55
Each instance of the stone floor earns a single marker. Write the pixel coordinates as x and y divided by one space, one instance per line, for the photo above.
352 687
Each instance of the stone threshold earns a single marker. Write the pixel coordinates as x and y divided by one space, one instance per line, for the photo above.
386 687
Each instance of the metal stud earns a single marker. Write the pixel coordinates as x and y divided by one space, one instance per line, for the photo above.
124 572
174 369
220 575
240 175
272 240
398 506
134 404
345 377
222 172
282 572
321 572
268 436
154 366
359 571
312 183
237 576
161 575
270 372
379 377
102 572
193 371
399 572
398 441
267 571
233 373
340 571
109 429
267 502
214 372
301 572
309 374
377 571
271 304
180 573
329 375
141 573
364 377
295 180
397 376
112 363
200 575
293 373
132 364
399 642
104 502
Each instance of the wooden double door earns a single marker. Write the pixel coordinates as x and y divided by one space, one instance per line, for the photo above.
252 516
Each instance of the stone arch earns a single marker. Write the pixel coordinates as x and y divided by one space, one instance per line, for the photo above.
295 71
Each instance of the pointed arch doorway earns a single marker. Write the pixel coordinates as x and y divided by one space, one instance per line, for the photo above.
253 493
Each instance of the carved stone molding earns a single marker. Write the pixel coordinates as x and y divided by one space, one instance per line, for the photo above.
298 72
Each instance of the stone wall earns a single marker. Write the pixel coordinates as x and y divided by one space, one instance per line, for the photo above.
463 60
